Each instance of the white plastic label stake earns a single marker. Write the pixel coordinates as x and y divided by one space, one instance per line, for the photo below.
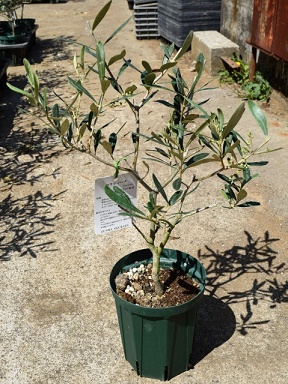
106 212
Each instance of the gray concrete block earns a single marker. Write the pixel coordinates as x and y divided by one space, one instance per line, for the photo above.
213 45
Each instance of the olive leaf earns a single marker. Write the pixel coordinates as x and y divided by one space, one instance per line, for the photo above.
121 198
259 116
100 16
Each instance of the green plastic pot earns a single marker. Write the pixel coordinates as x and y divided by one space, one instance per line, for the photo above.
158 342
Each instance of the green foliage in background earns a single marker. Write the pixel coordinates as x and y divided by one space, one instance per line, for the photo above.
259 89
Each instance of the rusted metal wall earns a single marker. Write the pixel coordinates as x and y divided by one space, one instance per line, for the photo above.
281 29
269 31
236 24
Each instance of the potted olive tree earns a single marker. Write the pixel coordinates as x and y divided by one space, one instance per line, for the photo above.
156 289
14 29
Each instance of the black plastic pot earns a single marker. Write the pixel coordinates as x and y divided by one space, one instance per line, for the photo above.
4 27
8 38
158 342
25 25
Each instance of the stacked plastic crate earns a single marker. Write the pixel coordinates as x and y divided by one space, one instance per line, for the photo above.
146 19
176 18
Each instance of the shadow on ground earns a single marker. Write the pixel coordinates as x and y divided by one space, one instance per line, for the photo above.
216 323
26 221
216 320
256 258
52 50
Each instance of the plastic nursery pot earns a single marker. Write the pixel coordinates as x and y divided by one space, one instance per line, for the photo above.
158 342
25 25
4 27
12 39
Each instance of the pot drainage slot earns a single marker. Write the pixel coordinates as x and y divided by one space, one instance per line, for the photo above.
166 373
137 368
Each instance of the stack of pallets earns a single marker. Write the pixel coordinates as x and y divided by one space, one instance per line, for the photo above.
176 18
146 19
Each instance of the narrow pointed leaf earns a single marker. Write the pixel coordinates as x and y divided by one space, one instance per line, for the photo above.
64 127
199 68
186 45
97 137
82 53
107 146
100 53
123 68
117 30
166 66
159 187
147 66
166 103
223 177
190 117
247 174
100 16
175 197
113 141
196 158
20 91
258 163
233 120
44 100
104 85
162 152
259 116
220 118
249 204
148 80
94 109
117 57
177 184
144 101
232 147
241 195
224 194
122 199
130 90
81 131
79 88
167 51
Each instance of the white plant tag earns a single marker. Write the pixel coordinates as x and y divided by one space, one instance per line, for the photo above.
106 212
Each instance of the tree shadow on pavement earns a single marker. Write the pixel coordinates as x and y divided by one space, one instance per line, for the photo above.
257 261
52 50
216 320
25 224
26 218
215 325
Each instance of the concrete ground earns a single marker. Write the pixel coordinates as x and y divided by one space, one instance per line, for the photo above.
57 316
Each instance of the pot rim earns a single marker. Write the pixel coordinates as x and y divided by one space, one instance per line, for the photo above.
145 254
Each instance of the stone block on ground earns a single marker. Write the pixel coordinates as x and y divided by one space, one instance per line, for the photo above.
213 45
